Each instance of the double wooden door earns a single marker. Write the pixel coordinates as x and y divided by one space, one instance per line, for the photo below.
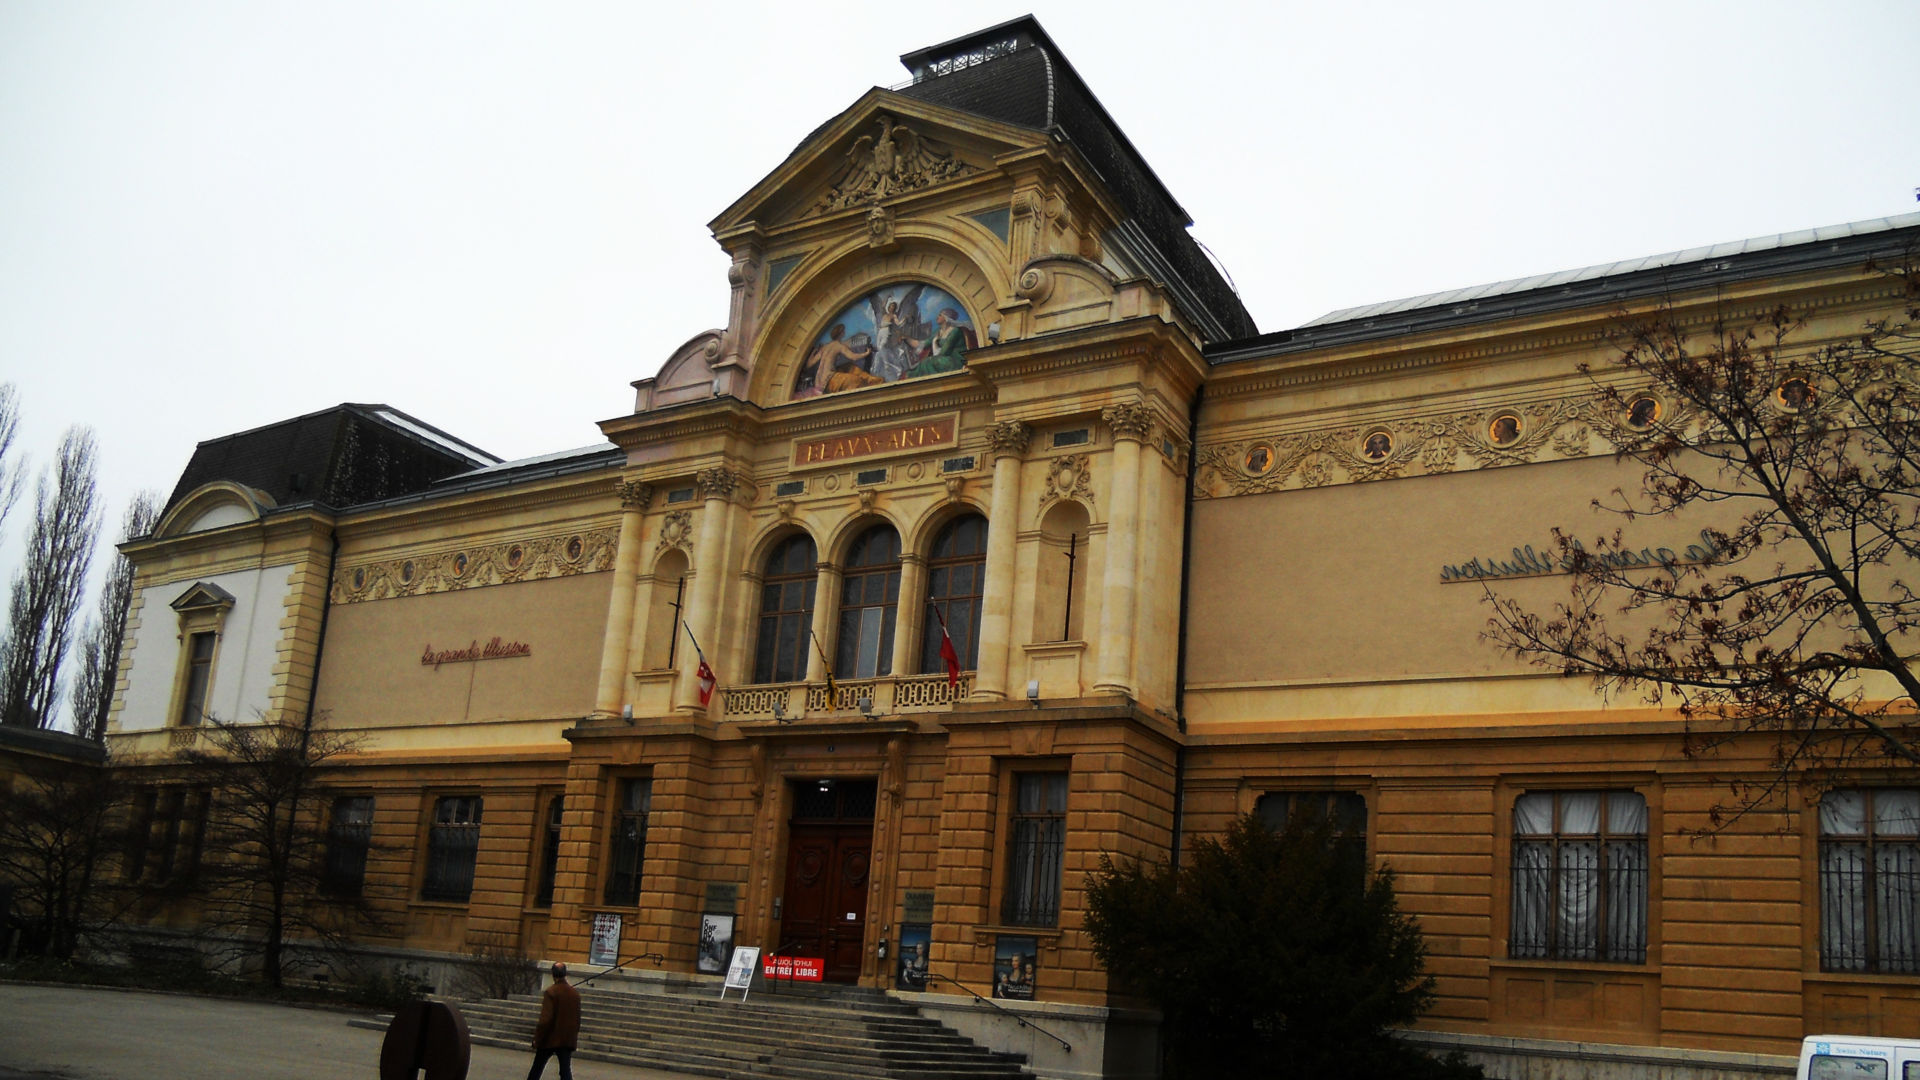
829 863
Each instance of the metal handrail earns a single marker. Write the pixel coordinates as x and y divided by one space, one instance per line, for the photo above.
1004 1011
657 958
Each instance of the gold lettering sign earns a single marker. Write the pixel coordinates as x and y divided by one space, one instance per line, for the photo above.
898 439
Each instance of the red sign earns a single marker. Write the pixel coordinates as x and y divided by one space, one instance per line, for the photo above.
803 968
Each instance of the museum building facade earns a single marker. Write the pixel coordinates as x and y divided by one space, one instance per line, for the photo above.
990 538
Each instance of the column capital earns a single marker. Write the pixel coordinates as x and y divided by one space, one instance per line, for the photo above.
634 494
717 482
1129 420
1008 438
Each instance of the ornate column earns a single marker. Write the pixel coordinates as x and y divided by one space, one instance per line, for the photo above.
709 553
910 613
634 497
1131 424
826 604
1008 442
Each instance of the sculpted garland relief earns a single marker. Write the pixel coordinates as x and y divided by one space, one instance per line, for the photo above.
1512 435
562 555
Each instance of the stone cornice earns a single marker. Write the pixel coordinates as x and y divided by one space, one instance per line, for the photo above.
1288 367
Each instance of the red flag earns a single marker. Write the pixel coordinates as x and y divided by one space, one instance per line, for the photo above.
707 682
947 653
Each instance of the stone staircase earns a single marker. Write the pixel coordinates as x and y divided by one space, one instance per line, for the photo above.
801 1033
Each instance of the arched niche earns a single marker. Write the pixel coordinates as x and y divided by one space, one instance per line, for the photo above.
666 599
932 255
1060 579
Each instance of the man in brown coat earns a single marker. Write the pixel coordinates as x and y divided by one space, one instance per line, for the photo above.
559 1027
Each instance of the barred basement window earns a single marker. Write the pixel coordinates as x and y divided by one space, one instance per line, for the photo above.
629 842
453 844
1870 880
550 854
1037 843
349 835
1580 876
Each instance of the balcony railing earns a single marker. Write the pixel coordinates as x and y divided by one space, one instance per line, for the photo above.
887 694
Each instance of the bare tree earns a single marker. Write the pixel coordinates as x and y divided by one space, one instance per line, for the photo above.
1794 617
13 471
104 634
51 584
264 884
60 823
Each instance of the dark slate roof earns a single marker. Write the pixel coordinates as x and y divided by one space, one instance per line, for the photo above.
44 743
338 457
1015 74
1853 244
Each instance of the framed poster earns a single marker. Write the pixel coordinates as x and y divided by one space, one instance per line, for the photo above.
1015 967
740 971
915 942
603 947
716 941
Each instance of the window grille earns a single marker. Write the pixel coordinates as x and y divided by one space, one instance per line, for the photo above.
1580 876
453 843
1035 850
629 842
550 854
1344 811
349 835
1870 881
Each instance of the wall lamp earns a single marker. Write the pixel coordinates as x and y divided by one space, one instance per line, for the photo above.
866 705
1033 692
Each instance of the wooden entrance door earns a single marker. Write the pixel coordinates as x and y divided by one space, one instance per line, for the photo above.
829 858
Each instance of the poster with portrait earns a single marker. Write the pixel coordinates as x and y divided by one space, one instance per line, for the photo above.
604 946
1015 967
716 942
904 330
915 943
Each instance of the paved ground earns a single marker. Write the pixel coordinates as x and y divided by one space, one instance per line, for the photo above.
81 1034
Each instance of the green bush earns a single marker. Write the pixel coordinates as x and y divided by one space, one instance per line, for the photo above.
1269 954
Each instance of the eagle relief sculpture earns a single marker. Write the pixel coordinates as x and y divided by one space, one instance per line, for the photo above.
894 161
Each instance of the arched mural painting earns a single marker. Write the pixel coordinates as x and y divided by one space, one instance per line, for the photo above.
898 331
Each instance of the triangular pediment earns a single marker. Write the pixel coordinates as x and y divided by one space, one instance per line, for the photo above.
884 148
202 595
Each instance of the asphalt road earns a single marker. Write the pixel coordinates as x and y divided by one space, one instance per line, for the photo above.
86 1034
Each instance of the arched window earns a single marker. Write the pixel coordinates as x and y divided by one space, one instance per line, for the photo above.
955 573
786 612
869 594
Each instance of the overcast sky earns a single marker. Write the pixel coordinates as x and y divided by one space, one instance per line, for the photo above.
492 215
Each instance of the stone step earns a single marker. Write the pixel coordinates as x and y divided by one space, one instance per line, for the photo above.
839 1033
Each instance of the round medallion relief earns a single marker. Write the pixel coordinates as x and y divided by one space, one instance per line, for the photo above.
1795 393
460 564
1259 460
1504 430
1643 411
574 547
515 555
406 572
1378 445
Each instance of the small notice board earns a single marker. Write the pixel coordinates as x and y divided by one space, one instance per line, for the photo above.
740 971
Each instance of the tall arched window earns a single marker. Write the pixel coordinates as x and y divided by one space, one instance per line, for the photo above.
869 594
955 573
786 612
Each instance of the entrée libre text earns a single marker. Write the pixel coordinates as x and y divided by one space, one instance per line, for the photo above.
497 649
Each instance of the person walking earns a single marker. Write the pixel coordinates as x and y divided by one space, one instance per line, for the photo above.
559 1028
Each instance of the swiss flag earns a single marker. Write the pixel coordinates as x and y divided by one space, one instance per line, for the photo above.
950 657
707 682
